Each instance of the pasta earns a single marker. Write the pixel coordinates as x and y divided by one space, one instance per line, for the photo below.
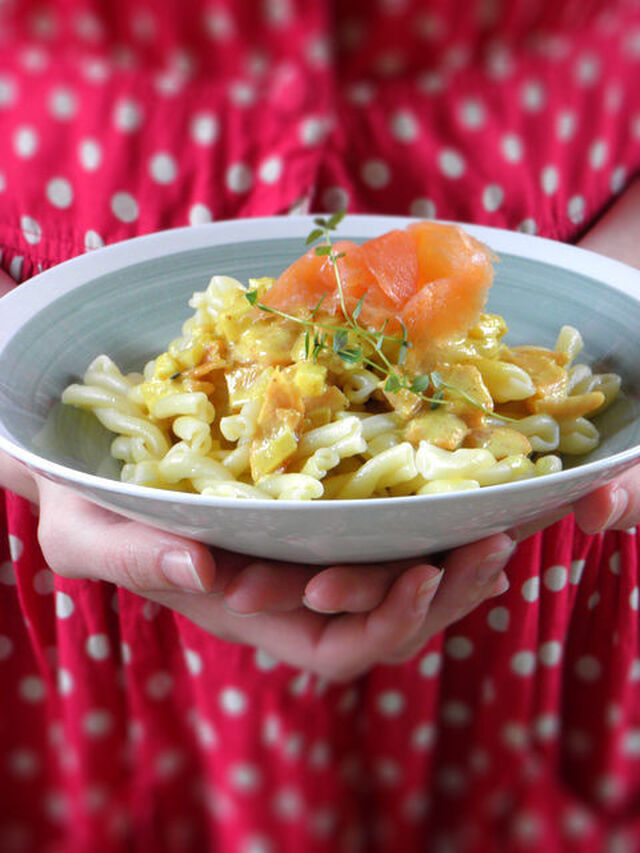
248 403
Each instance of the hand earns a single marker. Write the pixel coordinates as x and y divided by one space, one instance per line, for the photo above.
399 607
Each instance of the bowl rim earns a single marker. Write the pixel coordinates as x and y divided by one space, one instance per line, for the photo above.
25 302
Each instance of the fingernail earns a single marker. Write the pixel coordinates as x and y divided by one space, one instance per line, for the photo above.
427 590
502 585
179 570
620 504
493 564
317 609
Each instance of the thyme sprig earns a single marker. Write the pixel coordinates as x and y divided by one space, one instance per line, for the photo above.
317 334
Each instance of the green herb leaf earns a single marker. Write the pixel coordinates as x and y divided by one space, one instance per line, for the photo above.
393 384
351 355
436 380
316 234
317 308
420 384
322 222
251 297
437 399
340 340
337 255
402 352
307 343
336 219
356 311
322 250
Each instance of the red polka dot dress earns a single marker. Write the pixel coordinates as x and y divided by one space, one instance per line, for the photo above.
123 727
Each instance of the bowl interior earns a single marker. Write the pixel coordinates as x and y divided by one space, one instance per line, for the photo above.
133 314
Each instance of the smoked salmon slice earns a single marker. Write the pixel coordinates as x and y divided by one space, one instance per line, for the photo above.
432 277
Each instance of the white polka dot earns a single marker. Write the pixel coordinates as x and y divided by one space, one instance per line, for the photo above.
361 94
430 82
97 646
525 827
163 168
423 736
634 598
555 578
514 735
59 192
64 605
577 822
607 788
233 701
63 104
6 647
546 726
593 600
16 264
124 207
492 197
193 661
90 154
335 198
472 113
245 777
159 685
376 174
25 141
314 129
299 685
404 126
533 95
168 763
459 647
523 663
588 668
498 618
423 208
578 743
7 91
241 93
634 670
451 780
3 182
531 589
618 179
16 547
264 661
613 715
631 742
598 153
550 653
24 763
270 170
575 571
92 240
320 755
239 178
528 226
576 209
587 69
512 147
7 573
287 804
219 24
64 681
549 179
456 713
391 703
566 123
451 163
32 688
204 128
44 582
127 115
387 771
97 723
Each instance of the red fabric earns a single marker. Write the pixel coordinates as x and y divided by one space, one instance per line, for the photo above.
122 726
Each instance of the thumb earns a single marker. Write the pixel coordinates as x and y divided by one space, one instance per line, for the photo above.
81 540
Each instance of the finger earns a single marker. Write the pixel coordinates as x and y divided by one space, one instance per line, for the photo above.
472 574
616 505
523 531
81 540
267 586
352 589
351 643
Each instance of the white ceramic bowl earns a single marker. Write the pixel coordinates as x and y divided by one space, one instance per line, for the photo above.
129 300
